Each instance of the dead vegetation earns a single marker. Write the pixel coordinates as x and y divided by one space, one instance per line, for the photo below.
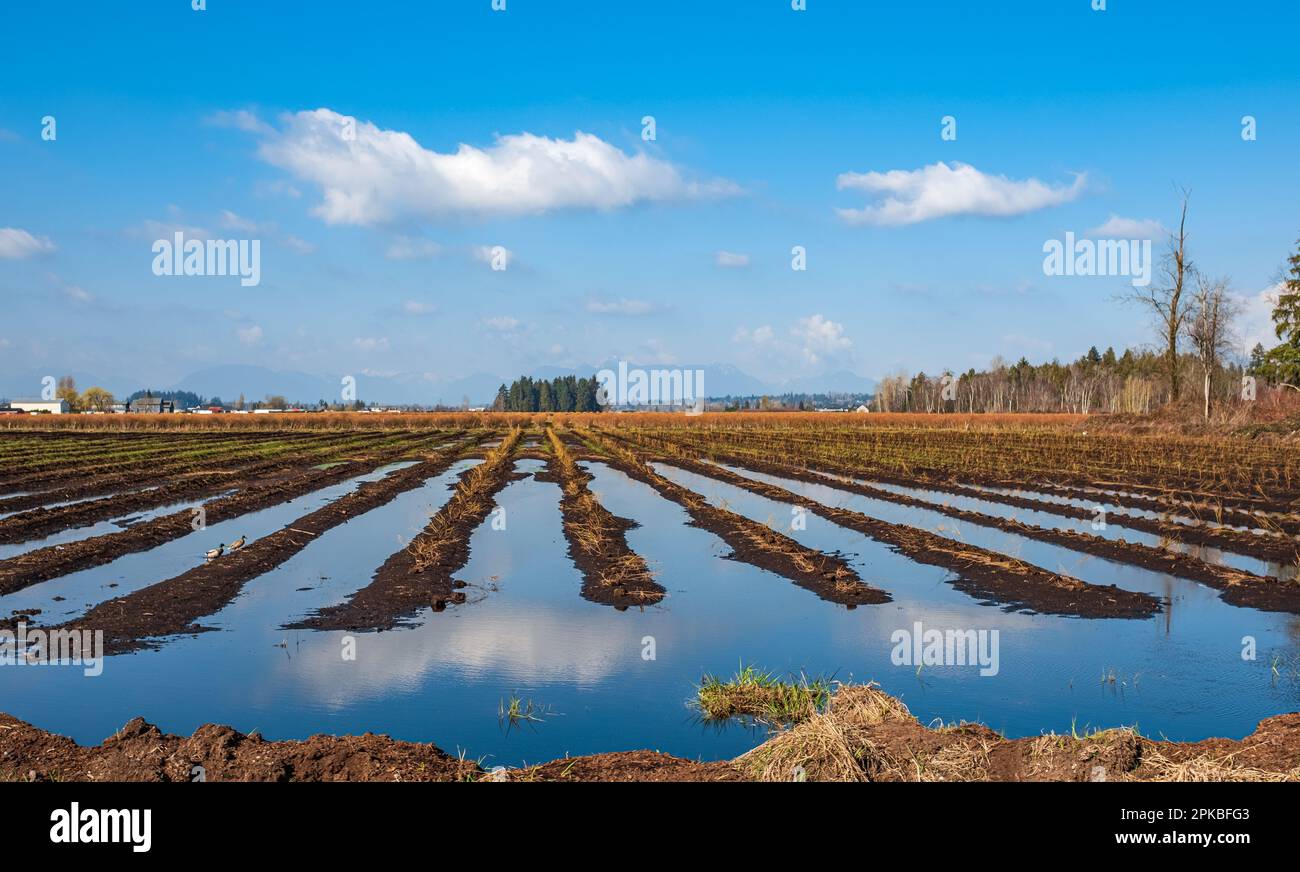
827 575
612 572
471 500
867 735
982 573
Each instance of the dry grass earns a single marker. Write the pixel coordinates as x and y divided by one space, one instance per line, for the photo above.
595 532
471 500
834 745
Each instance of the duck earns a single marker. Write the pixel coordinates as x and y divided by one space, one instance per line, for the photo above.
214 553
237 544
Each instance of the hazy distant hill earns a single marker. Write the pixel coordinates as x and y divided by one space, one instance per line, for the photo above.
256 382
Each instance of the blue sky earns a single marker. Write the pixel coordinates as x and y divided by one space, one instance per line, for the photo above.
218 123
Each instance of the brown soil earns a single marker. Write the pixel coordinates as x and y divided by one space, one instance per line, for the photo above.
44 521
864 735
1280 547
141 752
42 564
983 574
1238 588
89 482
172 607
827 575
1140 491
168 459
612 573
420 575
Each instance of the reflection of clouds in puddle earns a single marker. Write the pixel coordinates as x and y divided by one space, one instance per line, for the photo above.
527 646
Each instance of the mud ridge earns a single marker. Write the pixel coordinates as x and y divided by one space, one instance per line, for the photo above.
829 576
43 564
420 575
173 607
983 574
612 573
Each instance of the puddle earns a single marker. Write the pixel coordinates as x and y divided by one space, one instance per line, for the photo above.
60 505
1112 532
620 680
88 587
100 528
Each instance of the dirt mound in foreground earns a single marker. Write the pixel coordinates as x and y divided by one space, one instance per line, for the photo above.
865 735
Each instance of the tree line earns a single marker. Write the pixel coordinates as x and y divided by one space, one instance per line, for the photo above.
564 394
1193 315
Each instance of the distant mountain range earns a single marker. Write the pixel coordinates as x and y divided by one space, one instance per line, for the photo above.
256 382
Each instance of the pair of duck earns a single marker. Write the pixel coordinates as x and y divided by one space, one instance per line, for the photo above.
214 553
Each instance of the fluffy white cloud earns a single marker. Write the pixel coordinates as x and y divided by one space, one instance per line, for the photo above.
369 175
820 337
16 244
1118 227
371 343
250 335
730 259
940 191
758 336
812 340
1255 324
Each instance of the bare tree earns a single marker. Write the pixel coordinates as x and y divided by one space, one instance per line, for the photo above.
1210 315
1164 298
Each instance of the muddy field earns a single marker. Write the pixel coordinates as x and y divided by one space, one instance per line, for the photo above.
528 588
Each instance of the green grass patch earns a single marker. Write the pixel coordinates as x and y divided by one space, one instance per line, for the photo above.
761 695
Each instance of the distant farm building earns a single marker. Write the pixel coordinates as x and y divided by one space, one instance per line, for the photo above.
52 407
150 406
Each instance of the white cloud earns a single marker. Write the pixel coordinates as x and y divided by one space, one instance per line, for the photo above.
1255 323
820 337
381 175
77 294
731 259
940 191
1117 227
758 336
809 341
415 307
412 248
371 343
622 306
240 119
152 229
16 244
231 221
504 323
250 335
301 246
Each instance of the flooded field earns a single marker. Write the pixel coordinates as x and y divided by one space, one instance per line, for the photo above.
539 588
